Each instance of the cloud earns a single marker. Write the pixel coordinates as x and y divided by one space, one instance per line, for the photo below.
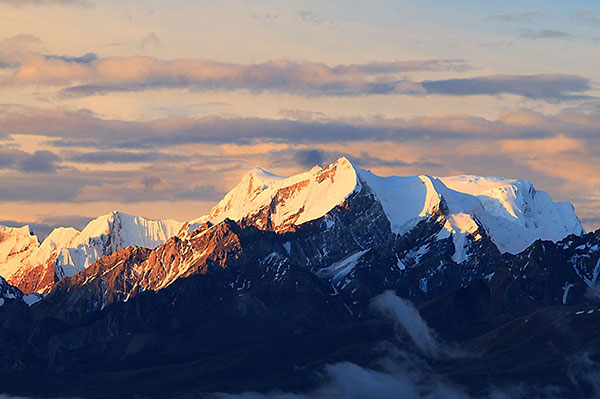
147 190
89 75
407 379
93 90
50 189
547 146
518 17
365 160
203 192
349 381
583 373
552 87
300 114
309 157
129 185
38 162
71 129
102 157
404 375
406 316
84 59
382 68
150 41
309 17
266 15
559 152
149 182
543 34
15 45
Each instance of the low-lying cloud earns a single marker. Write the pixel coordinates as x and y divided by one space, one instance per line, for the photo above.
405 375
408 318
349 381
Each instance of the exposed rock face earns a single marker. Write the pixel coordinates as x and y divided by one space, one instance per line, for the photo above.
37 277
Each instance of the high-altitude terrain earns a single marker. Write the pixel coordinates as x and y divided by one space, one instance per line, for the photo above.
282 278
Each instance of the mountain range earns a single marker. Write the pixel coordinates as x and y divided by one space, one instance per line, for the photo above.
285 276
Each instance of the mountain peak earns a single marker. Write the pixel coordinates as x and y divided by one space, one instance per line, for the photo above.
66 250
512 211
343 160
277 202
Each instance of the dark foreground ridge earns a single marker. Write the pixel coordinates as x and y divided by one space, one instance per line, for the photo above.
234 308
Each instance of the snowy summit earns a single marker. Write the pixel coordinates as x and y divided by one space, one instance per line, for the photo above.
512 211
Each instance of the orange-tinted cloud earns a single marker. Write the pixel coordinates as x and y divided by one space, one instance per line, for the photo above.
90 75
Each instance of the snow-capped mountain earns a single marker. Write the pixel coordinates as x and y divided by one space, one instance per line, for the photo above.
34 267
513 212
361 232
285 270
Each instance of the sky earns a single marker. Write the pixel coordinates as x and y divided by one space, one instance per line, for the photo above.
158 108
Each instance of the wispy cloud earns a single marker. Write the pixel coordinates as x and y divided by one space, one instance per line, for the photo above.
517 17
310 17
407 316
83 129
543 34
84 59
102 157
89 75
547 87
150 41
